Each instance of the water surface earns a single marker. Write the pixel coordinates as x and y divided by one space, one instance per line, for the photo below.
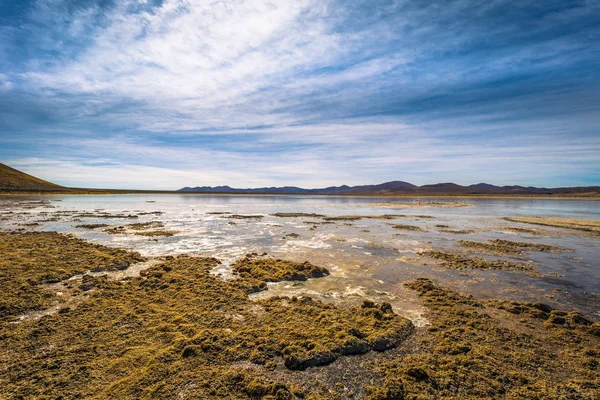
367 257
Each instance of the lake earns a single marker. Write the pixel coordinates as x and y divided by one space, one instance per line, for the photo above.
367 257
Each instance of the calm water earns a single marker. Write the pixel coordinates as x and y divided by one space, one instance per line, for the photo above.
367 258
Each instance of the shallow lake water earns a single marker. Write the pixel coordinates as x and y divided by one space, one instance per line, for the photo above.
366 257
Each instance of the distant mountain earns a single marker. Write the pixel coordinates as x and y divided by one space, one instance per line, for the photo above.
399 187
15 180
388 187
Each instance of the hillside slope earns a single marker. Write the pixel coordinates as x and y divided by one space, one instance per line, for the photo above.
15 180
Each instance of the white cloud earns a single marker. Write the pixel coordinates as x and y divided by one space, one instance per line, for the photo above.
5 82
201 60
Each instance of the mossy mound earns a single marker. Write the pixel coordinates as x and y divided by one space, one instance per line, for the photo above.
527 231
474 351
240 216
158 232
458 231
509 247
34 258
359 217
407 227
297 215
149 229
267 269
551 317
92 226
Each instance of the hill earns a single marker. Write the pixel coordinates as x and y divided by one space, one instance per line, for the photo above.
15 180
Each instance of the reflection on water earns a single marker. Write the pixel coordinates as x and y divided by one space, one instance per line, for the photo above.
367 257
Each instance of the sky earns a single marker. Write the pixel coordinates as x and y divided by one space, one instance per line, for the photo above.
162 94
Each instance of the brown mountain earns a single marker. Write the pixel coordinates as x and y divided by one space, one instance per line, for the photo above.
15 180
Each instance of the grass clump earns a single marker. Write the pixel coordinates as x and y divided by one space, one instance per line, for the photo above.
473 351
35 258
460 262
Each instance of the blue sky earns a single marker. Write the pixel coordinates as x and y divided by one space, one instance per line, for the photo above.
171 93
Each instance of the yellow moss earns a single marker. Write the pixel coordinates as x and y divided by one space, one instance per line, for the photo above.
178 329
474 351
30 259
274 270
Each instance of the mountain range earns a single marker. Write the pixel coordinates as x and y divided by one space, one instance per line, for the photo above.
12 180
400 187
